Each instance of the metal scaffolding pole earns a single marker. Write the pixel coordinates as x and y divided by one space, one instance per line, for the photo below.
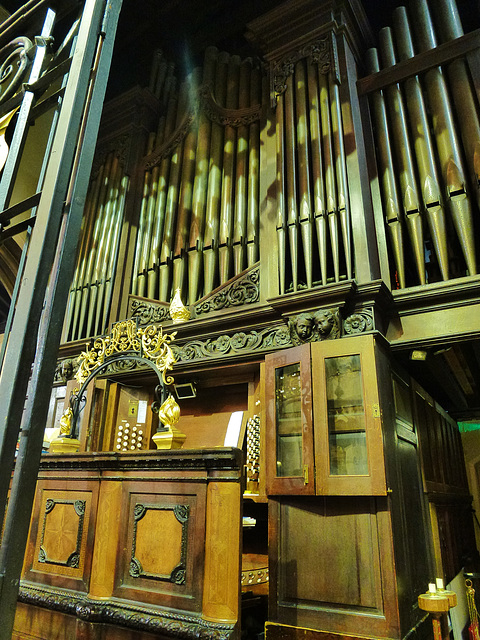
36 329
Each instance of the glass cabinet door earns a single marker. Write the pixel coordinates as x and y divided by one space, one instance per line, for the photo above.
289 416
348 433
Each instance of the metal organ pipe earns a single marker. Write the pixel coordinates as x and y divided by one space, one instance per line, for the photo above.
448 145
403 153
387 173
423 146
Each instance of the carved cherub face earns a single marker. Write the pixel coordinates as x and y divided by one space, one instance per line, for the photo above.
325 322
304 326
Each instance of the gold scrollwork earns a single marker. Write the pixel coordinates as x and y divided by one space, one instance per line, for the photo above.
126 336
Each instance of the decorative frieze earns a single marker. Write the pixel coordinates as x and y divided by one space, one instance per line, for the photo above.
242 291
138 618
242 342
148 311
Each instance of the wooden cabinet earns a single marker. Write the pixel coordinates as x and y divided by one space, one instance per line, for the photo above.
324 431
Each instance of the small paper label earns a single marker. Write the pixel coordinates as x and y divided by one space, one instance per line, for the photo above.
142 411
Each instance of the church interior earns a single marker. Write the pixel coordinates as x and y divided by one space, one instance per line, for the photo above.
240 319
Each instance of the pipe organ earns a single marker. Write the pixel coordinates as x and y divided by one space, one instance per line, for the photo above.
315 204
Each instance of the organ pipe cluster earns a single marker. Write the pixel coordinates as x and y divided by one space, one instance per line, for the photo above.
92 287
428 142
199 218
313 222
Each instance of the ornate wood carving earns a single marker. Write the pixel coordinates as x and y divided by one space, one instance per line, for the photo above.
73 559
134 617
221 115
147 311
323 324
241 342
242 290
359 322
320 51
178 574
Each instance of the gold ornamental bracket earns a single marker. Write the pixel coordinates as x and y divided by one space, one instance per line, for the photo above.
127 341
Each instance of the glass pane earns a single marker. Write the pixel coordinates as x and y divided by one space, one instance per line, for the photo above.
346 416
288 404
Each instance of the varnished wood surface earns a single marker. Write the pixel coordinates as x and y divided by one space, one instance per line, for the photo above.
143 546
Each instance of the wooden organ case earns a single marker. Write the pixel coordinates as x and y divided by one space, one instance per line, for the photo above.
305 242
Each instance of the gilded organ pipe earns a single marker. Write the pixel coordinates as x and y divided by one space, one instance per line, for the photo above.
160 206
169 224
212 222
107 249
291 180
197 223
463 93
329 168
280 188
387 174
241 178
253 170
75 289
97 235
341 172
185 196
144 229
112 259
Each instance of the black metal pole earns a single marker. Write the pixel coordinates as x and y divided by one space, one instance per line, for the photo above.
61 206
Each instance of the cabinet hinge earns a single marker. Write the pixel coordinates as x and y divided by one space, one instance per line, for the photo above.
305 473
376 410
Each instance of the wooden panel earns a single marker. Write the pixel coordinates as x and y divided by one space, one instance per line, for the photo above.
222 553
330 557
204 419
35 622
106 540
160 546
329 537
59 550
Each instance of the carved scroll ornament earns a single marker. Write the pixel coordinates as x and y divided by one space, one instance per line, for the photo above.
319 51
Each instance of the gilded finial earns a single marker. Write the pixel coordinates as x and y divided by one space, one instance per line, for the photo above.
178 311
168 414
